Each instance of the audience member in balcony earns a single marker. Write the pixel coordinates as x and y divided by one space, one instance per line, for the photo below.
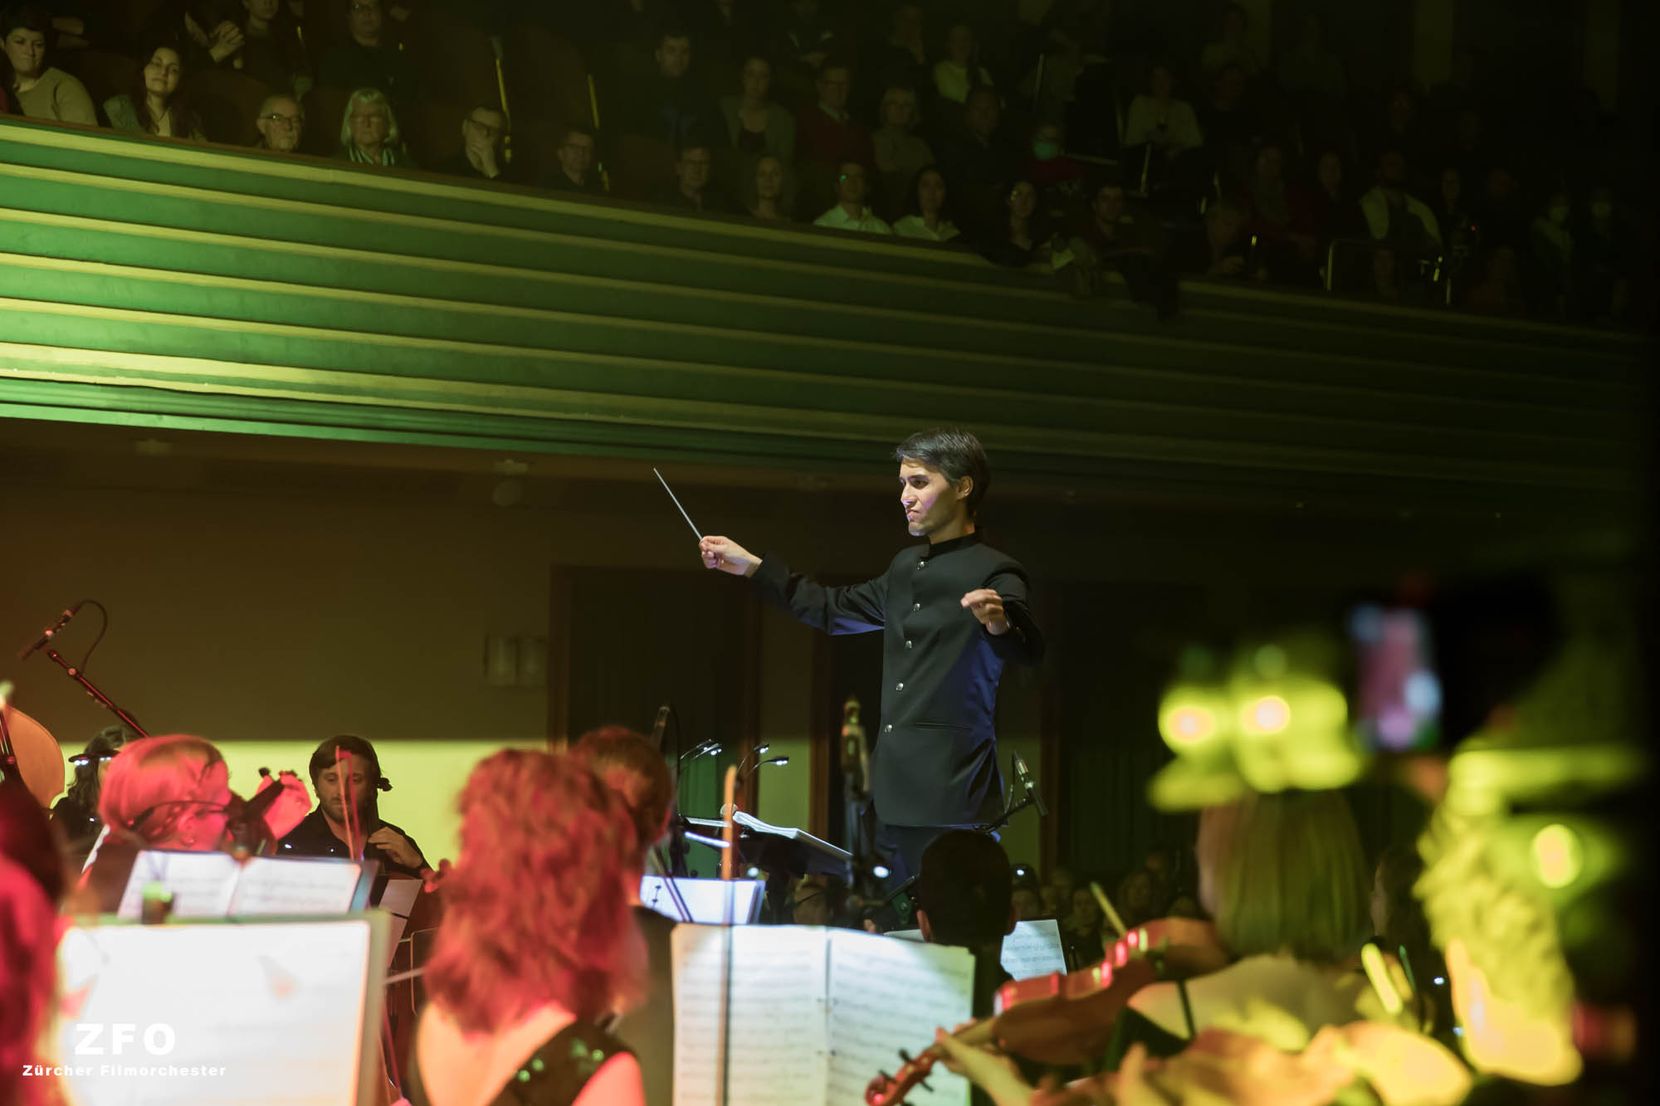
728 33
1233 47
1499 292
1324 210
1026 237
1231 127
1311 71
1224 250
1552 259
39 90
1502 213
756 123
154 105
959 72
1059 178
1400 128
267 46
1386 278
672 106
806 42
925 210
369 59
826 133
1269 204
574 169
976 162
1114 239
1604 261
483 140
692 166
1395 215
1158 118
904 58
369 133
769 191
851 211
281 123
900 151
1468 150
1459 229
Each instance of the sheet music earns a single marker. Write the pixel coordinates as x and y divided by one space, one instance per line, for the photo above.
887 995
208 1006
202 884
398 900
1033 949
705 898
294 886
779 1054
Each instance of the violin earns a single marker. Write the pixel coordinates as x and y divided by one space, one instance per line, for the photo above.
1069 1018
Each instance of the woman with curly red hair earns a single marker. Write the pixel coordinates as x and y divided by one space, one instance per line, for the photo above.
28 974
537 944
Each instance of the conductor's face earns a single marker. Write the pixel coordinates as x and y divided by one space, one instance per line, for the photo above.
930 501
331 791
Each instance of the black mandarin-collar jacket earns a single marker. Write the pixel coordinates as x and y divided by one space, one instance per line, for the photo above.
935 757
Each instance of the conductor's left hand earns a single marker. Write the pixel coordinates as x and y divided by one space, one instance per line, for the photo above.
987 606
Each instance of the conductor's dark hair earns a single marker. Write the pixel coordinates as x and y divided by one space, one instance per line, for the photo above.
956 453
966 887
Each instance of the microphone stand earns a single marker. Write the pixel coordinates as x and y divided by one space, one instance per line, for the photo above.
94 693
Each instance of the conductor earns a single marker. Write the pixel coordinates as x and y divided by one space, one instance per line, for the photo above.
952 612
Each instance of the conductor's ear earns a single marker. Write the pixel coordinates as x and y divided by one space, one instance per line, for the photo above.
965 487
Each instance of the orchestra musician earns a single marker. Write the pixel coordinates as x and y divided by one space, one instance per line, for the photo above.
635 771
537 944
965 897
953 611
173 792
323 831
76 814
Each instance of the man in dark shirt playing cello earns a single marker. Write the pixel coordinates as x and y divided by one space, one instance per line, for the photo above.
952 612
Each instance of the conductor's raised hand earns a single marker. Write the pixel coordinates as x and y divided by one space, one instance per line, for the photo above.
987 606
727 556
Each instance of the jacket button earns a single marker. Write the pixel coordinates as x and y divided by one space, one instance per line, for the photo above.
900 686
909 644
916 606
888 728
922 564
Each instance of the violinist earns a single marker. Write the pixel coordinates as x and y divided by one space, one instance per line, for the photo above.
537 944
173 792
965 897
323 831
952 611
1285 879
636 773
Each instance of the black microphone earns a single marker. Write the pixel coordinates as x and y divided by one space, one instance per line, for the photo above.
1025 777
51 632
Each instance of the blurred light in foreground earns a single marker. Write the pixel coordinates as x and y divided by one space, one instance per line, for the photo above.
1269 714
1557 855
